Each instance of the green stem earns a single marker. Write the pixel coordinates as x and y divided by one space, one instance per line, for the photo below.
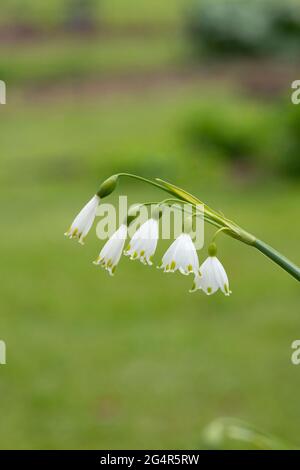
181 197
178 201
222 229
145 180
278 258
193 213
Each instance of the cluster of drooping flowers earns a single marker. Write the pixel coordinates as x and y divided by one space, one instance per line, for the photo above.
180 256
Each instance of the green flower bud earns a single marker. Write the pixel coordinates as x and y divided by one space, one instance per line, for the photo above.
212 249
108 186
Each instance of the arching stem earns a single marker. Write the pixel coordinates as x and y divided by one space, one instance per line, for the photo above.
224 224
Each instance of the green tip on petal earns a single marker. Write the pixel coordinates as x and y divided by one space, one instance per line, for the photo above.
226 289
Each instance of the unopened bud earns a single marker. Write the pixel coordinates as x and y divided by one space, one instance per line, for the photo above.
212 249
108 186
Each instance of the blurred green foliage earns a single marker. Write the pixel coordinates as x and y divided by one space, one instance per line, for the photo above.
242 130
288 140
227 124
241 27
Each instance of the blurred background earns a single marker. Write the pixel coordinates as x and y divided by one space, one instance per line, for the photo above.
196 92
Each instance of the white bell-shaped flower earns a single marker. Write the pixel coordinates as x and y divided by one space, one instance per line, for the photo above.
182 256
84 220
112 251
212 275
143 244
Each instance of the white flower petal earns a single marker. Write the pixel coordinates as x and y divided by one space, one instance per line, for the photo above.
221 276
112 251
212 278
208 281
169 255
181 255
143 244
84 220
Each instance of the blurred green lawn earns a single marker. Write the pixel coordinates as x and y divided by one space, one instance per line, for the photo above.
66 58
133 361
70 57
117 12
